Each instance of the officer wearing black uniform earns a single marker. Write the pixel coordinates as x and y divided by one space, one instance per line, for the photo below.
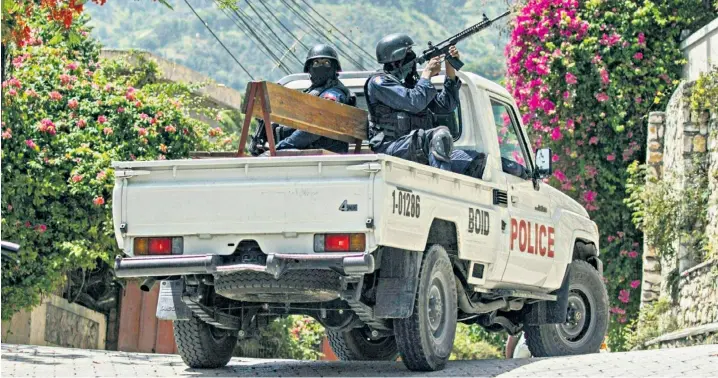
323 67
402 104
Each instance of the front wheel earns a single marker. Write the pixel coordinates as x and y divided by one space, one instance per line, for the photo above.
586 319
425 339
202 345
357 345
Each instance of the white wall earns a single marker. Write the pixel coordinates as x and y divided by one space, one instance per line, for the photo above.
701 50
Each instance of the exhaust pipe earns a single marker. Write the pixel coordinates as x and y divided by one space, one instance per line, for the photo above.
148 284
161 266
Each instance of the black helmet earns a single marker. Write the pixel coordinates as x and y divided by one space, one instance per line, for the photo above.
321 51
393 47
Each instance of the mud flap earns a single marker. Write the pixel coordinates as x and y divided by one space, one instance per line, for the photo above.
169 304
398 280
549 312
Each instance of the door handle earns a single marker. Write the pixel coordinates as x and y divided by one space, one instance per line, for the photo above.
514 200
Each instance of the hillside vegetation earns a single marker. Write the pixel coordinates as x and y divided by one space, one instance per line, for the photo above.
179 36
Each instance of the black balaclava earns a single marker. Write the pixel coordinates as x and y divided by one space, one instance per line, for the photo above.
320 75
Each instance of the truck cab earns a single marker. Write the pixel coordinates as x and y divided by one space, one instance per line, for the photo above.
387 254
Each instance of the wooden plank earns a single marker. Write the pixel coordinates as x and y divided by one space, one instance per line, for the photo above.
316 115
148 321
130 318
165 342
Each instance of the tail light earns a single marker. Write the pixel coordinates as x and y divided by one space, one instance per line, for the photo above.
158 246
339 242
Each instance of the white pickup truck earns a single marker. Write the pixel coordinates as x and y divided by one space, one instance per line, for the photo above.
387 254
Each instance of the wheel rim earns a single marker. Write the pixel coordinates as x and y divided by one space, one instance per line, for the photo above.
435 311
579 317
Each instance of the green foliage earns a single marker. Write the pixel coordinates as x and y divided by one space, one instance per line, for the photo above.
291 337
585 75
704 94
473 343
66 116
180 37
648 325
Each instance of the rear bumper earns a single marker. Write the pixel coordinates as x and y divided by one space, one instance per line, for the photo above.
159 266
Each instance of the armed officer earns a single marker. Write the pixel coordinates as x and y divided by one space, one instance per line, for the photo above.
402 104
323 67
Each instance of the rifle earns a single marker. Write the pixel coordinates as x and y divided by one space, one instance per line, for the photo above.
442 48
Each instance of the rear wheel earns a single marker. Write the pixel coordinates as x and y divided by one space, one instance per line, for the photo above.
357 345
203 346
425 339
586 319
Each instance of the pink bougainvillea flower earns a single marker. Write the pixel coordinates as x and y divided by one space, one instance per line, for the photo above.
31 93
566 95
72 66
7 134
601 97
635 284
555 158
593 140
610 157
41 228
120 110
560 176
589 196
604 76
101 119
30 144
170 129
556 133
107 130
81 123
76 178
624 295
144 116
622 319
108 88
72 104
55 96
633 254
617 310
142 131
641 38
101 175
638 99
571 78
611 238
98 201
638 56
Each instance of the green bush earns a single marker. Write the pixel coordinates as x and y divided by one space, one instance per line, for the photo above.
472 345
291 337
66 115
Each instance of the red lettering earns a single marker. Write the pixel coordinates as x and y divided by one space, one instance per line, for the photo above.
522 236
550 241
542 233
531 247
514 232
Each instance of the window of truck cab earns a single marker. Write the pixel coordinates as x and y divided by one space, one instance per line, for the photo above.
512 144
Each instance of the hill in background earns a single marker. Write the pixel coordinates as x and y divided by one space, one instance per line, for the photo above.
179 36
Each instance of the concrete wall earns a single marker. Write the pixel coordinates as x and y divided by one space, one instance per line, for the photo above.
701 50
57 322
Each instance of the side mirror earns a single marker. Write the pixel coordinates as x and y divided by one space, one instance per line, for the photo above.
544 165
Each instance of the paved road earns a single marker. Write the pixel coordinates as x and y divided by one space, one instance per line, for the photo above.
25 360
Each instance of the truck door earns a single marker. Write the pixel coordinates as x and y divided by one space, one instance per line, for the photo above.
531 235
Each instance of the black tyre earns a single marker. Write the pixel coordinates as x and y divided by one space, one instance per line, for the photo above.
425 339
293 286
586 320
358 345
202 345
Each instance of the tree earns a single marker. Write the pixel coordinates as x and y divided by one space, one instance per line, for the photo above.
66 116
585 75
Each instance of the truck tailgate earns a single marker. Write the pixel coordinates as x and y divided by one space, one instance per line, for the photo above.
241 196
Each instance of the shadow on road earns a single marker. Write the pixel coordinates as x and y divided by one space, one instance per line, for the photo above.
245 368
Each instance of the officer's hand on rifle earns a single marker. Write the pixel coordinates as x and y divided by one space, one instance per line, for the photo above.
432 68
450 71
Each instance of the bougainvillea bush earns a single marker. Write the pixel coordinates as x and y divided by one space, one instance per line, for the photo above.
65 116
585 75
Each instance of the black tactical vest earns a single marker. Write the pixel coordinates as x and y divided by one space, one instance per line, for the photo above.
394 123
333 83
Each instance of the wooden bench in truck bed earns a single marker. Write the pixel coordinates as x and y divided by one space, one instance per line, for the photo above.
302 111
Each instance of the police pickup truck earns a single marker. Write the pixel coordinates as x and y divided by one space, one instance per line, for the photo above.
387 254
